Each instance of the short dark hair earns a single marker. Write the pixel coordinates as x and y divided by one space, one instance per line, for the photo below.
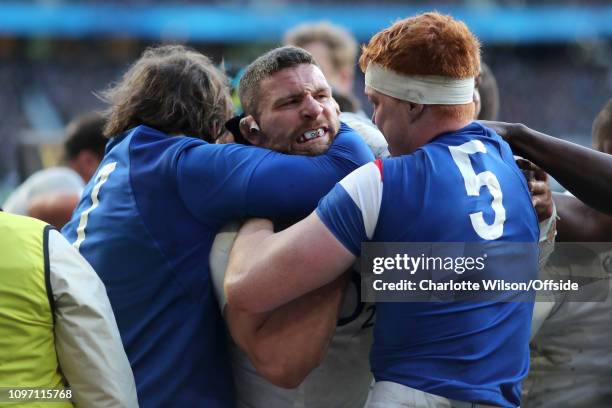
85 132
173 89
265 66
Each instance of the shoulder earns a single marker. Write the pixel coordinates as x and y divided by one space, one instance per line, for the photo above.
52 180
368 132
349 144
364 186
346 134
55 179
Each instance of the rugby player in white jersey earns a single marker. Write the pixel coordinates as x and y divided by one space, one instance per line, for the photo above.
571 353
277 102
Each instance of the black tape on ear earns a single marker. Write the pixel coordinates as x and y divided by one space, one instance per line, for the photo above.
233 125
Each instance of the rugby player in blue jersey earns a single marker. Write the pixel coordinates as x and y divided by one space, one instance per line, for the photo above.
453 180
147 219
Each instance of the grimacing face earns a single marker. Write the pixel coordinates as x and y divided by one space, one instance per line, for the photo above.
296 112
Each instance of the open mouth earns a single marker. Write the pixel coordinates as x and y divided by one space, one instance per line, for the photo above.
312 134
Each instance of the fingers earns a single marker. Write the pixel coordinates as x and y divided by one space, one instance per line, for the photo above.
540 174
539 188
501 128
541 199
531 171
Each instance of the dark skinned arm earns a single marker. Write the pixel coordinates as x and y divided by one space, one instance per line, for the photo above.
585 172
580 223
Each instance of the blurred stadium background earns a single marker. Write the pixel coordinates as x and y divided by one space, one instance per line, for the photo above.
552 59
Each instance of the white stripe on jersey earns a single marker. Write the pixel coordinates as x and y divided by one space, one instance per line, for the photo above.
365 187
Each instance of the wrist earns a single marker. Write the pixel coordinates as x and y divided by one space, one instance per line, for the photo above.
518 138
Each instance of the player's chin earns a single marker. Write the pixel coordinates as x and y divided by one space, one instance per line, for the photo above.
314 147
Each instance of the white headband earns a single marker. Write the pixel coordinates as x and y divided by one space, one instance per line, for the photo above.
426 90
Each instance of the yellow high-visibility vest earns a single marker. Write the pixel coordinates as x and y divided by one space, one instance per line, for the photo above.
27 345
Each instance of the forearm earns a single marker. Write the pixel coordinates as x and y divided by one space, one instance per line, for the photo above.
585 172
289 342
267 270
580 223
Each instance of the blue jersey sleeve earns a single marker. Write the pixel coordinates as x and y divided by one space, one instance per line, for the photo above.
213 179
232 181
343 219
290 186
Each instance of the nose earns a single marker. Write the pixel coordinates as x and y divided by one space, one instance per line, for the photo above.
311 108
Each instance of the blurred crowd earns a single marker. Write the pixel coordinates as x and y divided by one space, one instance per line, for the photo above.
542 86
280 2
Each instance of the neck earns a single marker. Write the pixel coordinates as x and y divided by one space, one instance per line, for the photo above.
431 126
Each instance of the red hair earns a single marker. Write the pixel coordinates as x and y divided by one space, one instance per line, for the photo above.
426 44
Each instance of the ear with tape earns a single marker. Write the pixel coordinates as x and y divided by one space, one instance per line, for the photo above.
233 125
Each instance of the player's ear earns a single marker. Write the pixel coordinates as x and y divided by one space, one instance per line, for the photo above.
414 110
249 129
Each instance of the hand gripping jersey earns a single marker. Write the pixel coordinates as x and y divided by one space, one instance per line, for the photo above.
461 187
146 222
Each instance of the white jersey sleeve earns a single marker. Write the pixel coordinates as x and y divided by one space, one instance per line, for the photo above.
350 211
219 257
87 340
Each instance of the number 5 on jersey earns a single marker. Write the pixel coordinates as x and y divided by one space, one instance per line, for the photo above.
473 182
101 178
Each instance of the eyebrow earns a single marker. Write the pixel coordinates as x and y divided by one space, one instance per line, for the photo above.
301 94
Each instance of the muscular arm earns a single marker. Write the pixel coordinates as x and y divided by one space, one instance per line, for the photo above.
286 344
585 172
579 222
267 269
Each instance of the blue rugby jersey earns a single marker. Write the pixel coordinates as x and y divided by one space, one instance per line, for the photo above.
146 223
463 186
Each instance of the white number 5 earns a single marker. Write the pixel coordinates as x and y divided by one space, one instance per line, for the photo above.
101 179
473 182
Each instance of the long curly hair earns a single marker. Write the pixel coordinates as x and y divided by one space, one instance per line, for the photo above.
173 89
